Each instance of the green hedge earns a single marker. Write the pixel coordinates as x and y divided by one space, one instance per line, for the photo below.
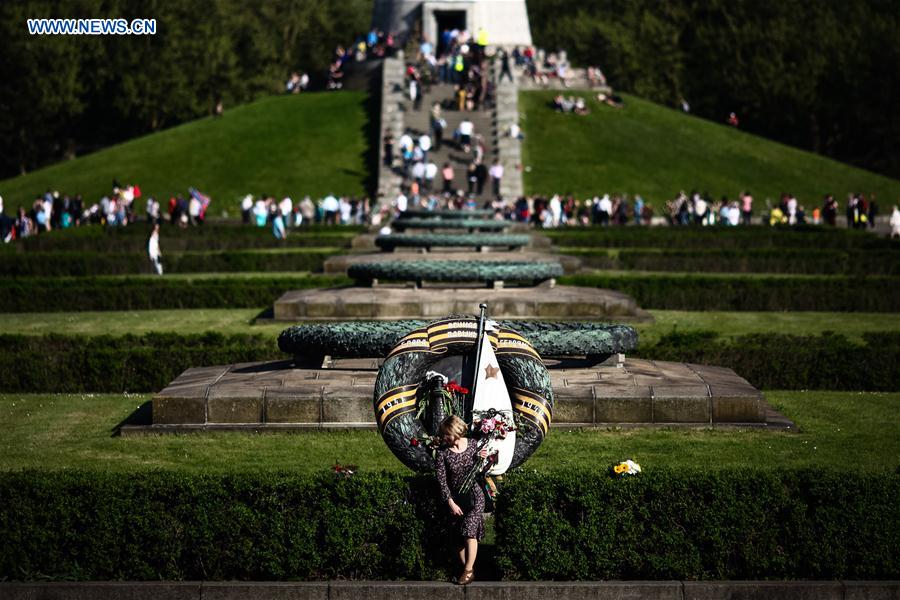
753 260
211 236
566 525
45 264
71 294
652 291
80 525
750 292
736 238
706 524
791 362
147 363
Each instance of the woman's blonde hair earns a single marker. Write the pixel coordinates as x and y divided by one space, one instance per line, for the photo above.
454 426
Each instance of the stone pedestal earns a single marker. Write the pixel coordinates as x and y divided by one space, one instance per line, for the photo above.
394 302
276 396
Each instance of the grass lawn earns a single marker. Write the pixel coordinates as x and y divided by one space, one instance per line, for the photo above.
836 430
655 151
240 320
311 144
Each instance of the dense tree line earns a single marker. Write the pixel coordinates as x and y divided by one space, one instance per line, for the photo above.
63 95
819 75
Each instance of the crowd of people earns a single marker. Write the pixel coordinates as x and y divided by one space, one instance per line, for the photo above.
266 211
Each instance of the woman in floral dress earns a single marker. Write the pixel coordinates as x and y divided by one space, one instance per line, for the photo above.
454 461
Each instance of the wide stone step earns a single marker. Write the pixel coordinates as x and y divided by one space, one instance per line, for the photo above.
632 391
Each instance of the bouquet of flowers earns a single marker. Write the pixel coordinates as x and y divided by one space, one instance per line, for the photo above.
450 394
626 468
487 426
344 471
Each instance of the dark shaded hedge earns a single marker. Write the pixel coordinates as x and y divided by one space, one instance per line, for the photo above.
75 294
569 525
750 293
130 363
45 264
211 236
669 292
735 524
168 526
147 363
754 260
724 238
791 362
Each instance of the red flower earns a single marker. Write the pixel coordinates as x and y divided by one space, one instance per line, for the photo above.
414 442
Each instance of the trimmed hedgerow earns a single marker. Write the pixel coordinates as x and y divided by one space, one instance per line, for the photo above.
667 292
750 292
791 362
130 363
754 260
739 238
80 525
211 236
704 524
563 525
147 363
93 263
72 294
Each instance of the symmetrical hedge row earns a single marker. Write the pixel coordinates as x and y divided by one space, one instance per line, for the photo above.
147 363
736 238
706 524
749 292
209 237
71 294
47 264
813 261
703 524
791 362
170 526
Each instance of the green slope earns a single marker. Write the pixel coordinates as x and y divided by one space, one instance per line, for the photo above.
281 145
655 151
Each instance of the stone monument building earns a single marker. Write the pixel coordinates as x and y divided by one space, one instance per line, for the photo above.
505 21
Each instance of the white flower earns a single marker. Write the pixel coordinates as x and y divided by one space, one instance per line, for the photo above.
435 375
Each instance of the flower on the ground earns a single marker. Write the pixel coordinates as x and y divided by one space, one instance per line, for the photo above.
624 468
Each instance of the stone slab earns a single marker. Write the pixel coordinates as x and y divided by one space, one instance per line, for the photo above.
575 590
340 394
763 590
339 264
397 302
269 590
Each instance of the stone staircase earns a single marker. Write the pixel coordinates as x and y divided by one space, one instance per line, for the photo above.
419 121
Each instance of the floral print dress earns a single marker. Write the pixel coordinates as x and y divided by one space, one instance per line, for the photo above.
451 469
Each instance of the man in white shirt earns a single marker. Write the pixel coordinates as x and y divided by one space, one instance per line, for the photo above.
496 174
400 203
330 207
425 144
466 131
286 206
431 171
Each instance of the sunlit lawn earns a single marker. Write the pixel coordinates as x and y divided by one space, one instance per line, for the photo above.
241 320
836 430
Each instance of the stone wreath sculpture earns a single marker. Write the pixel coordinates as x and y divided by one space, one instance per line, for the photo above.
402 386
447 214
368 339
429 240
471 224
455 271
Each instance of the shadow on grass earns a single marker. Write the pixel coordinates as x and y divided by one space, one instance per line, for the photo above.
142 416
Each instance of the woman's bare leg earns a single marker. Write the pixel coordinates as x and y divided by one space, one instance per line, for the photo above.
462 554
471 553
